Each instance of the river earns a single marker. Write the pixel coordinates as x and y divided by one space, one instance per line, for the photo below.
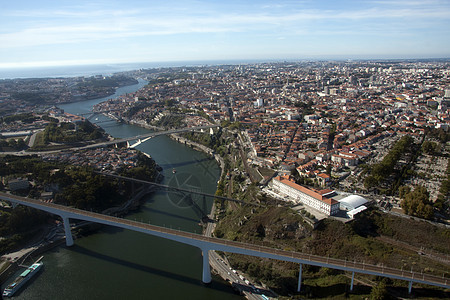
122 264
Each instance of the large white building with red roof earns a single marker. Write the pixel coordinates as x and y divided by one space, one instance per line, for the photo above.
300 194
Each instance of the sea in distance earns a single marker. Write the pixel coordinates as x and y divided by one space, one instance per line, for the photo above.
104 69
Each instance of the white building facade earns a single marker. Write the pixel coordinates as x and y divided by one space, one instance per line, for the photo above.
300 194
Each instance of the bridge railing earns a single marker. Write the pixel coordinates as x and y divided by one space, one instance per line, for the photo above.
360 267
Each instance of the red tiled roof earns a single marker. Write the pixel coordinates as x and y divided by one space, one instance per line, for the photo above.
286 180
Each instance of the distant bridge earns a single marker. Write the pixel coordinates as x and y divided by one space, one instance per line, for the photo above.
208 243
145 137
91 114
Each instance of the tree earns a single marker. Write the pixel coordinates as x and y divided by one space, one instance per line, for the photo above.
403 191
429 147
379 292
328 170
416 203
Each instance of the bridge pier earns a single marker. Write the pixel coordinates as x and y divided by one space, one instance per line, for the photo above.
351 284
299 286
206 276
69 238
410 287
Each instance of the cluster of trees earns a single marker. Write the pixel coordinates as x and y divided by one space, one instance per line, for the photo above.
231 125
440 134
380 171
83 188
429 147
14 144
25 118
80 187
417 202
306 107
442 202
32 97
66 133
217 141
146 169
31 167
20 219
170 121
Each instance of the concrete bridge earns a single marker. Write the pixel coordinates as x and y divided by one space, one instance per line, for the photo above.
209 243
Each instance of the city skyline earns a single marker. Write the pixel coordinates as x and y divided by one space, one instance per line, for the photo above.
44 33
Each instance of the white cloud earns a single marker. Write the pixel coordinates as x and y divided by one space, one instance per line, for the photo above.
73 26
95 25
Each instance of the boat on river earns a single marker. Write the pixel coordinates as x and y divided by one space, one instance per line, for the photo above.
22 279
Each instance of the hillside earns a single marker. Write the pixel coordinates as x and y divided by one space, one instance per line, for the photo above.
375 237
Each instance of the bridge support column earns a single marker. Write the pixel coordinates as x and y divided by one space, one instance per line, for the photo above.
410 287
69 238
14 204
206 276
299 286
351 284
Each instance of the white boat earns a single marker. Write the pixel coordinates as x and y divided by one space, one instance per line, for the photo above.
22 279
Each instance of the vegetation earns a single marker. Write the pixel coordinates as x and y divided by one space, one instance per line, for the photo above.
416 203
13 144
381 171
32 97
170 121
217 141
442 203
146 169
18 225
27 118
429 147
440 134
70 133
80 187
379 292
374 238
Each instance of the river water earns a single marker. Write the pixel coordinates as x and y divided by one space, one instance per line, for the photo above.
122 264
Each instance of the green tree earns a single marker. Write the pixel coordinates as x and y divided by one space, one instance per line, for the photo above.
429 147
416 203
379 292
403 191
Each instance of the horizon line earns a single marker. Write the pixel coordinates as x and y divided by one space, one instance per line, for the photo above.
69 63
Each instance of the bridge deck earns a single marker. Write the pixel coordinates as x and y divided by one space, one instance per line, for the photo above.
211 243
148 135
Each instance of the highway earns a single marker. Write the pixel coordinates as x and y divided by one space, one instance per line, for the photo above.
206 243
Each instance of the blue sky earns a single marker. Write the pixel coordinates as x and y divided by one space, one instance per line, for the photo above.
44 32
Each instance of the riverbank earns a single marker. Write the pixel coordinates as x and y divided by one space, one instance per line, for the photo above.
114 255
202 148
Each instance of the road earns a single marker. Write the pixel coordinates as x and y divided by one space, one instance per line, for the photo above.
226 272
